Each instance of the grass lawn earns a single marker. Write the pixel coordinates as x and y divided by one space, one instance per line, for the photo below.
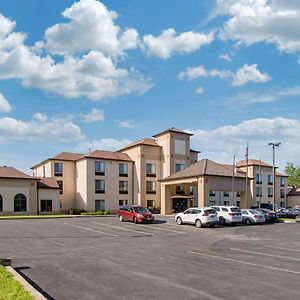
10 289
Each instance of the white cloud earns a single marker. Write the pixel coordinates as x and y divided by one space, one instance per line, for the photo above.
169 43
54 131
252 21
96 115
222 143
91 26
127 124
40 117
109 144
200 90
225 57
92 74
247 73
5 106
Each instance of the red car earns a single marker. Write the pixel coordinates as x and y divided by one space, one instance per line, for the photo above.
135 213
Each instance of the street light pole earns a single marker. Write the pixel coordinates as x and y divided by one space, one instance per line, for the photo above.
274 171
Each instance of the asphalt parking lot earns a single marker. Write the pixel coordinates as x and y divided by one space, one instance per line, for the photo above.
102 258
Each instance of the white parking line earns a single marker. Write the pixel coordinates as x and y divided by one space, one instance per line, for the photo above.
265 254
124 228
190 226
90 229
281 248
169 230
245 262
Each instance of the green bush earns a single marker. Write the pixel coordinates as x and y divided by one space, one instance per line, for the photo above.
106 212
78 211
154 209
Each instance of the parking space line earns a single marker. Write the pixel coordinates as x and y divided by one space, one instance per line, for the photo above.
124 228
90 229
265 254
169 230
189 226
245 262
282 248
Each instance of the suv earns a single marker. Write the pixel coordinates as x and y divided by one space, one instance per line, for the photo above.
228 214
135 213
198 216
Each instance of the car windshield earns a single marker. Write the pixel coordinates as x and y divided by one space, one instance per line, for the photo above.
140 209
253 211
235 209
210 211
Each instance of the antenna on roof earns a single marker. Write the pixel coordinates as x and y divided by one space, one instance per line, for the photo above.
89 150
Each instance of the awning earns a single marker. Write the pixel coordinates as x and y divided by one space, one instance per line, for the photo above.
183 196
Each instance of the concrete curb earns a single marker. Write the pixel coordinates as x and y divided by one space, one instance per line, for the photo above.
28 287
62 217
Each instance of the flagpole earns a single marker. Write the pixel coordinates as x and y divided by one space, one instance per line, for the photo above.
246 156
260 187
232 186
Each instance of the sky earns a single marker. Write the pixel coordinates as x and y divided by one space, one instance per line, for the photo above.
94 75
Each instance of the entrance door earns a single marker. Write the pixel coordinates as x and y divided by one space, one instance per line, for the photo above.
179 204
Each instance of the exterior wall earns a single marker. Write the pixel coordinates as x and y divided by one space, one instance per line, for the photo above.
39 171
165 143
112 178
9 188
193 157
81 184
293 201
49 194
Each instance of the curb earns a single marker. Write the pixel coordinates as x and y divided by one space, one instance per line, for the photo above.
28 287
62 217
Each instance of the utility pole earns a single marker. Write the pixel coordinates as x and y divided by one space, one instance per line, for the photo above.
274 171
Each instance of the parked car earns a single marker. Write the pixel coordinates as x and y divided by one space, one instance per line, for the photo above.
228 214
198 216
297 218
252 216
135 213
270 216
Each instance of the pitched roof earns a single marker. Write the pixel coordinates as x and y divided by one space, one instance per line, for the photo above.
10 172
145 141
172 129
293 191
252 162
108 155
67 156
48 183
206 167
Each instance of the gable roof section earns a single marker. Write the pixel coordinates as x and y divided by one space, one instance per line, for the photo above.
10 172
145 141
67 156
293 191
108 155
206 167
172 129
47 183
252 162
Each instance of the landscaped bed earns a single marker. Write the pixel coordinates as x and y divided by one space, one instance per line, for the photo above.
10 289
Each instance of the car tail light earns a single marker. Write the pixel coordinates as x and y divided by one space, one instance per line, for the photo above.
255 216
231 214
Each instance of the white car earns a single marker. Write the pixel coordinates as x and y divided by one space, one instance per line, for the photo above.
252 216
198 216
228 214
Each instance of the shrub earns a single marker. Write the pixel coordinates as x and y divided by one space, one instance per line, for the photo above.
154 209
78 211
106 212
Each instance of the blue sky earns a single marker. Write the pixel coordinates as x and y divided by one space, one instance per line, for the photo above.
91 74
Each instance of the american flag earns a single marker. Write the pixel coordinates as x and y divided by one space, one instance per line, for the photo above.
246 154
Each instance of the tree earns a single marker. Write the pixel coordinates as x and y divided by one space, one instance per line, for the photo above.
293 173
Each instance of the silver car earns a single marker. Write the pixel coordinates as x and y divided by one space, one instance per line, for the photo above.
252 216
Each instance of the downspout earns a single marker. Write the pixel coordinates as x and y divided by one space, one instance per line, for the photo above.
132 191
37 199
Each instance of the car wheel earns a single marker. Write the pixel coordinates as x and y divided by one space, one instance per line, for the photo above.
212 225
135 220
121 218
248 222
222 221
179 221
198 223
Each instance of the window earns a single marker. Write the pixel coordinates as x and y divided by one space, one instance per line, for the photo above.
259 191
179 167
99 205
238 194
225 202
150 170
225 194
123 202
150 203
270 192
58 169
46 205
20 203
224 209
270 179
238 203
1 203
282 183
212 193
61 186
212 202
282 193
99 168
123 187
258 179
191 190
123 170
150 187
282 204
99 186
180 190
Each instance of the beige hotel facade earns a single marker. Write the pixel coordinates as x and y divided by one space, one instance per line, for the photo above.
162 171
